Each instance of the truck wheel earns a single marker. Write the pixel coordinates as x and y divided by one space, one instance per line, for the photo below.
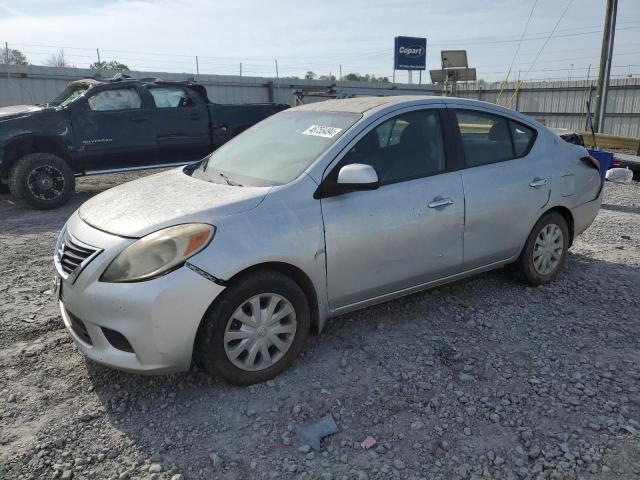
42 180
255 329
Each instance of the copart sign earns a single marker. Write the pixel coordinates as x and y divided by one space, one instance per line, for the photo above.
410 53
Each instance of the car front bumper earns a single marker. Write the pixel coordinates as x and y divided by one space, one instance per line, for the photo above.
158 319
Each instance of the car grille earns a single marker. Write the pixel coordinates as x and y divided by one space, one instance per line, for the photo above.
73 254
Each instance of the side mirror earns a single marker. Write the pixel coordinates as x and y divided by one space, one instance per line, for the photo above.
358 176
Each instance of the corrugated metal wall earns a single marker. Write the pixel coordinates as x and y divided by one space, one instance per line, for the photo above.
558 104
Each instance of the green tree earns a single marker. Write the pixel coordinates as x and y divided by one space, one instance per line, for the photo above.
310 75
356 77
13 57
112 65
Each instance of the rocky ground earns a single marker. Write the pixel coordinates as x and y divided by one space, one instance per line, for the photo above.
486 378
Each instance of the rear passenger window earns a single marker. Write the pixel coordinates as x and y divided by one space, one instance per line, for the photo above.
485 138
170 97
522 136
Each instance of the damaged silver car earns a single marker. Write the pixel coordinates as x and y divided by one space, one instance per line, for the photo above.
317 211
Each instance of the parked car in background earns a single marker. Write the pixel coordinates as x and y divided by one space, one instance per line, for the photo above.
112 126
314 212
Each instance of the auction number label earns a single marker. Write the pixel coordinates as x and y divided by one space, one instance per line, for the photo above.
322 131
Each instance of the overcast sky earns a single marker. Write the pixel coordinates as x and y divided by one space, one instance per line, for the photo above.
159 35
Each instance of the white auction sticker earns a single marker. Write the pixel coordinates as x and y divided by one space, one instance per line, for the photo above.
322 131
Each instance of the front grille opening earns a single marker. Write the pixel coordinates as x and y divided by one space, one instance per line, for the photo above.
117 340
73 255
79 328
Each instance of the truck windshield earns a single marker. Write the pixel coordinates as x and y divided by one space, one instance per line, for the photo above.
276 150
68 95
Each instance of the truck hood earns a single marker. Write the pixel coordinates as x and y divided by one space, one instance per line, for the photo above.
143 206
18 110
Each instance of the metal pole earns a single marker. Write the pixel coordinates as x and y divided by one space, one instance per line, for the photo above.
197 69
98 52
410 77
605 64
420 77
277 83
340 78
6 49
394 76
240 68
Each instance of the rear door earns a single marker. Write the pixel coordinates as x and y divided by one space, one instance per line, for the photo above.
506 180
407 232
181 122
113 129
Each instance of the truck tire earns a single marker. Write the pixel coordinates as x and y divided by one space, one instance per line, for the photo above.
42 180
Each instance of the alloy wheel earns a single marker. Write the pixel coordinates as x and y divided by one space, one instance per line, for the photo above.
45 182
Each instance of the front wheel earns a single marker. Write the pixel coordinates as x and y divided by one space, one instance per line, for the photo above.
546 249
255 330
42 180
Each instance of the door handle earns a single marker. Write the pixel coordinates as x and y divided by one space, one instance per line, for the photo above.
538 182
440 202
194 116
139 119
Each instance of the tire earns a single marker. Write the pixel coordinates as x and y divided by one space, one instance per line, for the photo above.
222 318
42 180
538 272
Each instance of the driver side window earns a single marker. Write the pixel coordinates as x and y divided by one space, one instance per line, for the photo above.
403 148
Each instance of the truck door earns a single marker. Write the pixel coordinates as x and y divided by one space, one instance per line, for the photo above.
113 129
181 123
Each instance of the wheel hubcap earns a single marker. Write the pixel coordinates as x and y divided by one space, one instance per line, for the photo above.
547 251
260 332
45 182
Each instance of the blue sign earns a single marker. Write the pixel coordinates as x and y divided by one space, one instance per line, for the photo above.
410 53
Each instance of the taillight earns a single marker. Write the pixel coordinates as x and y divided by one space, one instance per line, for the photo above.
591 161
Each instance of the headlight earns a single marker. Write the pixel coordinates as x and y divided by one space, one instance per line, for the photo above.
158 253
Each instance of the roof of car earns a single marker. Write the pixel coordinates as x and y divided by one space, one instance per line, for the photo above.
361 104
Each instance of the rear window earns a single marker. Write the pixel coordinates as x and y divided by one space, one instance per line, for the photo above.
488 138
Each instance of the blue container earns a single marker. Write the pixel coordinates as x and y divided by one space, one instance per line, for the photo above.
605 159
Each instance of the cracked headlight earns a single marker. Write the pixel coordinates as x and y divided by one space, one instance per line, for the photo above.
158 253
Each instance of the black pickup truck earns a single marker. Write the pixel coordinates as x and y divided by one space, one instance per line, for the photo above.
111 126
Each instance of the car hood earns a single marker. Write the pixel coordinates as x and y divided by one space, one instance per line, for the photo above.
143 206
18 110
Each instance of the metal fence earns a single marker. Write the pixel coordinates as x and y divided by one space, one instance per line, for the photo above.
557 104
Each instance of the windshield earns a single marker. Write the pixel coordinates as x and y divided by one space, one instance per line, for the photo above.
68 95
276 150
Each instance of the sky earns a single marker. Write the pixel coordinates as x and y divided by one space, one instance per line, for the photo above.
324 37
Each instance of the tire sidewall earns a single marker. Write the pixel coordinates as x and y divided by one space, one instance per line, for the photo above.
526 258
18 179
211 353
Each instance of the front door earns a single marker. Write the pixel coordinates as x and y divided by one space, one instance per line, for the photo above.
113 129
407 232
506 185
181 122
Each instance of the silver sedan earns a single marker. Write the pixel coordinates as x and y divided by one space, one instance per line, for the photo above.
317 211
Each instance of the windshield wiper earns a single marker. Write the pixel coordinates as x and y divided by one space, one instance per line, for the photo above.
229 181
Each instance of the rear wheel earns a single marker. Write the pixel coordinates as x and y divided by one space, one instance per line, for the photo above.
42 180
255 330
545 252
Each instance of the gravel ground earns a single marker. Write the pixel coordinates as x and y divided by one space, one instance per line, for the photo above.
486 378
